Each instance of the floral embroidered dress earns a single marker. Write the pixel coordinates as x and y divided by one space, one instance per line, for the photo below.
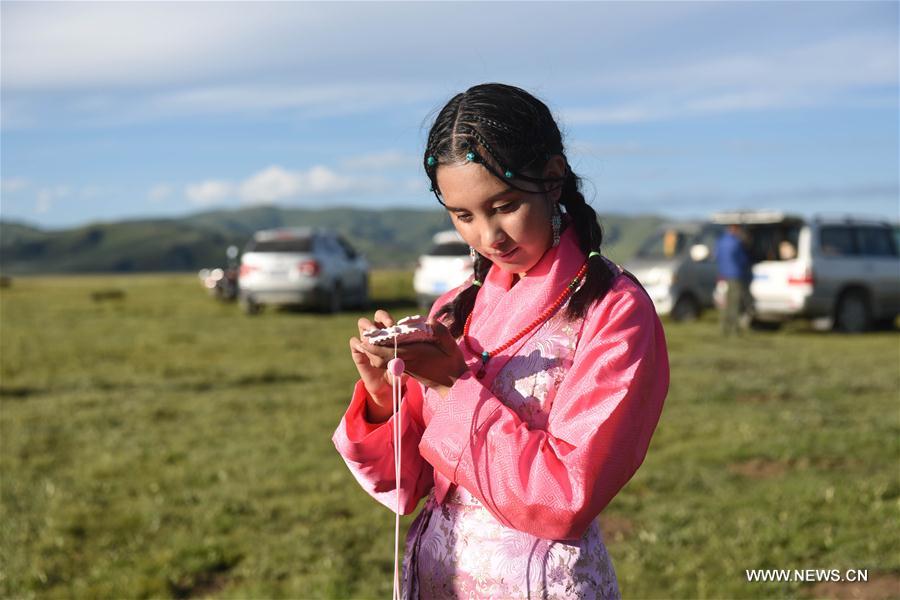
515 467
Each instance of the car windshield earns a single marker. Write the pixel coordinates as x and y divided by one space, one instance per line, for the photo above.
663 244
450 249
286 245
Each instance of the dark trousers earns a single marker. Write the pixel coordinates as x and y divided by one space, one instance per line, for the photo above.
737 304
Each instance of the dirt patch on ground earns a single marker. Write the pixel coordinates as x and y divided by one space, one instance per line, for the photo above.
615 528
882 586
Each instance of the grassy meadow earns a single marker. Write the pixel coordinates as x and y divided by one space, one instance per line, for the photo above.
156 443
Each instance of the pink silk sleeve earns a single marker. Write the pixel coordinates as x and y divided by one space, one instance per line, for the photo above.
553 483
368 450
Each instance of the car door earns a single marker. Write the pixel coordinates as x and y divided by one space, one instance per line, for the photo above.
882 267
839 262
707 269
357 268
340 266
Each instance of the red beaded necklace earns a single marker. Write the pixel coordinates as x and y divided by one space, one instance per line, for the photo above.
488 355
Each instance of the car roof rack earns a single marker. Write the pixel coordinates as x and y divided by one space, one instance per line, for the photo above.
284 233
850 219
753 217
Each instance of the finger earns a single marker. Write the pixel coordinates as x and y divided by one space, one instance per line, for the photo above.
358 355
384 317
443 337
378 356
364 324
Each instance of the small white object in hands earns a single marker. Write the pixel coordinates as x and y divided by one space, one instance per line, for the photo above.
405 331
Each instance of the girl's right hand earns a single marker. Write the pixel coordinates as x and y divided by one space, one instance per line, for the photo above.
376 379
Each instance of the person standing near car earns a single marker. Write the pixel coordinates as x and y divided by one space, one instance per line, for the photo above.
734 268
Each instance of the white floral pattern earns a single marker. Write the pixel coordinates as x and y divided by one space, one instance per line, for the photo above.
459 550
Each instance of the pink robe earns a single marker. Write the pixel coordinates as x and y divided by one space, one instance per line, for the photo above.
518 465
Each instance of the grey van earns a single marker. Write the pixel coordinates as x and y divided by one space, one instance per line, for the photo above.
846 269
677 267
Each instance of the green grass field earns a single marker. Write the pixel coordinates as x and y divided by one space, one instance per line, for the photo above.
164 445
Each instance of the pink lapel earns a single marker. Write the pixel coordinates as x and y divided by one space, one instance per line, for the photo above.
500 312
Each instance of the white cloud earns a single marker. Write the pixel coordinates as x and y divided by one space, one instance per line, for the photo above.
275 183
208 193
317 59
79 45
47 197
159 192
13 185
310 99
270 184
820 73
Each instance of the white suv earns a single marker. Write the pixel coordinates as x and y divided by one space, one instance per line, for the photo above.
846 269
444 267
302 267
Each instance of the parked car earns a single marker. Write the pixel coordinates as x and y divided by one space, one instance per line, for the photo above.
445 266
302 267
845 269
676 267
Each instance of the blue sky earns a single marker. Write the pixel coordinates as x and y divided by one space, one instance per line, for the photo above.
126 110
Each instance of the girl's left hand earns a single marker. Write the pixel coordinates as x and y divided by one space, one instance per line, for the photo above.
436 364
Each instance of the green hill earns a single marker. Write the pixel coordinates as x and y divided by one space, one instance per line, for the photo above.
388 238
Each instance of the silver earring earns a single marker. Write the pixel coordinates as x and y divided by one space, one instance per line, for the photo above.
472 253
555 224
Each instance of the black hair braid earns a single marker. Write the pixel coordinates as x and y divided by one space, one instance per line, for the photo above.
464 302
509 130
599 277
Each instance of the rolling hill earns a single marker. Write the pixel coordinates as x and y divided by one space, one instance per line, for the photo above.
389 238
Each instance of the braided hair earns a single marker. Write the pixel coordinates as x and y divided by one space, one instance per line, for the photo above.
513 135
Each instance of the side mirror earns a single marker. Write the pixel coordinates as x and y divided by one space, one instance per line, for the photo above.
699 252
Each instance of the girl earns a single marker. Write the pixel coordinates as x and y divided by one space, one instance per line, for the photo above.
538 398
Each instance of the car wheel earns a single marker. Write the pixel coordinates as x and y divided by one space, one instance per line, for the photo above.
759 325
686 309
249 306
334 300
364 295
853 315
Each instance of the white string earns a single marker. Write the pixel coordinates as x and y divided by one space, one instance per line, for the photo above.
398 440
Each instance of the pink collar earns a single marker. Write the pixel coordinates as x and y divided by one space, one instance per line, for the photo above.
502 311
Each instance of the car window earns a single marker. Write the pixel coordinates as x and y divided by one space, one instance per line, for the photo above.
449 249
708 237
875 241
773 242
285 245
332 246
663 244
837 241
348 249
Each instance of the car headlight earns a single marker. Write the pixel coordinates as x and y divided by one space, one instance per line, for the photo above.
657 277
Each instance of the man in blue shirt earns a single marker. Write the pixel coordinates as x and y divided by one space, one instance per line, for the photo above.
734 269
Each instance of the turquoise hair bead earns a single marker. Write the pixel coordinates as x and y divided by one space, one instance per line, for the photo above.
431 161
470 156
485 356
508 174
